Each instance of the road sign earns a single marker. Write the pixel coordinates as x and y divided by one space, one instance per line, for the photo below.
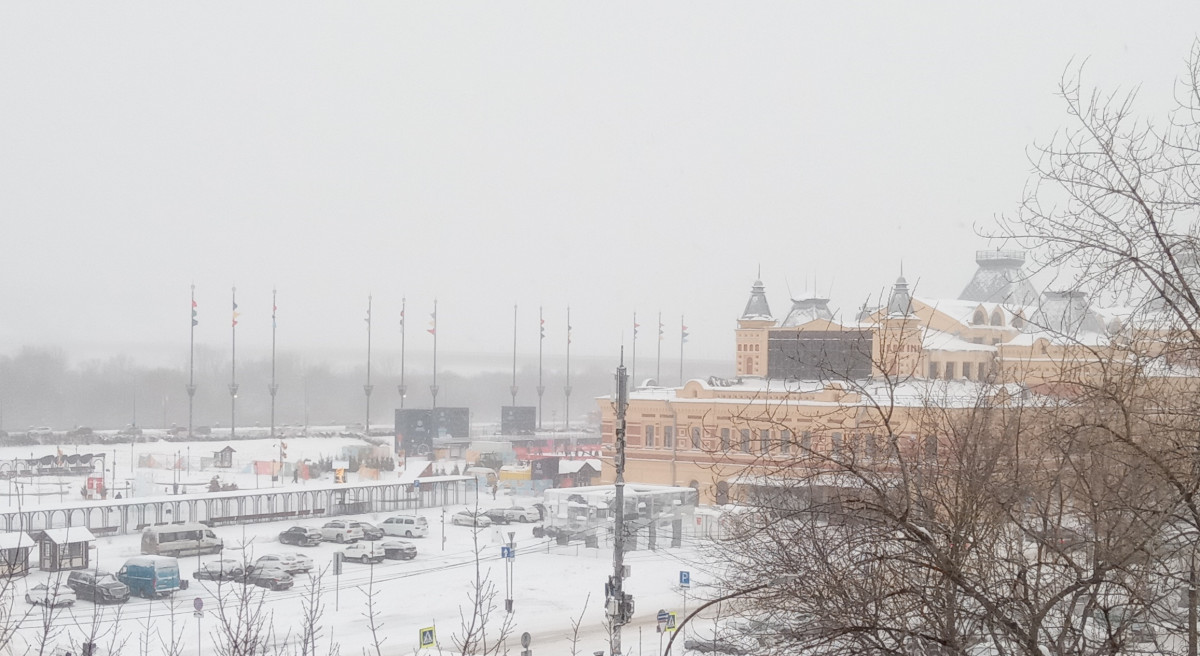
671 622
685 579
417 484
428 637
663 616
337 563
506 552
198 604
526 639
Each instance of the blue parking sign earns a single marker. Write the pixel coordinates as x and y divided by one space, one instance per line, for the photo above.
685 578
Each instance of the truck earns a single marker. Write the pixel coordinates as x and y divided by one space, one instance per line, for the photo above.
150 576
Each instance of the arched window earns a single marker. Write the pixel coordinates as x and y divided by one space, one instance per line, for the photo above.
997 317
980 318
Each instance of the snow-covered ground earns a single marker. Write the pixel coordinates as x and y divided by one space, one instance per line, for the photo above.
551 583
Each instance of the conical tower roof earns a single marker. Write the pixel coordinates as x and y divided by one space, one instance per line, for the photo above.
757 308
900 303
1000 279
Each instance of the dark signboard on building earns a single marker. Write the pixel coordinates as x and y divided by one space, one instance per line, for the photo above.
543 468
414 432
819 354
452 422
518 420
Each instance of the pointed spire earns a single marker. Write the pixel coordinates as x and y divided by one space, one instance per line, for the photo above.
757 307
900 303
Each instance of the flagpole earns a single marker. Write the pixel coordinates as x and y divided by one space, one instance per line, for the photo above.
368 387
682 341
233 387
402 388
191 386
541 389
273 388
658 360
513 387
633 377
433 389
567 387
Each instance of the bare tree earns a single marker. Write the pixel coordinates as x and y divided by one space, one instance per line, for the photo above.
479 632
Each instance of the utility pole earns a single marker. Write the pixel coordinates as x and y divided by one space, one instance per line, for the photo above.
541 389
191 386
512 389
368 388
619 605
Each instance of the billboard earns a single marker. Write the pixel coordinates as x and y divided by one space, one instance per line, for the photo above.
819 354
452 422
414 432
518 420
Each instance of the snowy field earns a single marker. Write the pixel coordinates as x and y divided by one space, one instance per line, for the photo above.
551 583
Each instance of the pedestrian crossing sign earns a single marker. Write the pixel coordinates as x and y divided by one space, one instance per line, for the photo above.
428 637
671 622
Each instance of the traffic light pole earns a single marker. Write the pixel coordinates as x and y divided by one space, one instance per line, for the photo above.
618 604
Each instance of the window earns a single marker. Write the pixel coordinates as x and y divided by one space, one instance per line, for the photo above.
967 370
785 441
805 441
835 444
872 446
931 448
997 318
724 439
745 440
979 318
933 370
669 437
949 371
764 438
649 436
696 440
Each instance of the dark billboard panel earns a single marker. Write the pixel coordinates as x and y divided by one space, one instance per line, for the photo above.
414 432
452 422
819 354
518 420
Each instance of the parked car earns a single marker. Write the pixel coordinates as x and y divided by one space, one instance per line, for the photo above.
365 552
52 594
340 530
398 550
371 531
225 569
150 576
522 514
497 515
98 587
292 563
301 536
408 526
270 576
470 518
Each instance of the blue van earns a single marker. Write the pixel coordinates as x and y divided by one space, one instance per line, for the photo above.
150 576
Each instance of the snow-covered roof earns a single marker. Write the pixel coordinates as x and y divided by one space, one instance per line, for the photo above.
14 539
1000 279
757 308
573 466
69 534
807 308
937 340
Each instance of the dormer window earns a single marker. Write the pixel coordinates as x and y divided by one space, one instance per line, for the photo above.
997 317
980 318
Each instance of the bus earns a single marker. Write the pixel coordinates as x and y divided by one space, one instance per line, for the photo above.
180 540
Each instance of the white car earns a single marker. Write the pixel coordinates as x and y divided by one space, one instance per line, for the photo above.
405 526
292 563
53 594
365 552
522 514
340 530
470 518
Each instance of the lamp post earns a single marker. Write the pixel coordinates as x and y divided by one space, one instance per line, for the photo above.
777 581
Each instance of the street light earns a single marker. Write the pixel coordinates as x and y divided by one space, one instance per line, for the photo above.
777 581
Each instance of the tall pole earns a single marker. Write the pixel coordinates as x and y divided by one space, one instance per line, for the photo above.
541 389
513 388
402 388
368 387
658 360
683 335
619 606
273 388
433 389
233 387
633 360
567 387
191 386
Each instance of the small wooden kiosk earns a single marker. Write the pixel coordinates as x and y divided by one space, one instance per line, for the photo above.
14 553
64 548
223 458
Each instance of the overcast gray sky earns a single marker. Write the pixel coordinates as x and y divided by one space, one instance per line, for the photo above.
610 156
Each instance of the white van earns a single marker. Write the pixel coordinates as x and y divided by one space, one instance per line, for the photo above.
405 526
180 540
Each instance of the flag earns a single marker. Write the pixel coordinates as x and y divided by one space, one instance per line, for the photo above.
542 329
636 325
274 309
683 334
195 321
235 314
432 330
368 319
660 330
402 316
568 333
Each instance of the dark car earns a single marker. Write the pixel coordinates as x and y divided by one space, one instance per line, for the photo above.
497 515
226 569
270 576
398 550
300 536
98 587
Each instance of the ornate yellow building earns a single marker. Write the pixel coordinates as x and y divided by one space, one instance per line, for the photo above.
812 383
